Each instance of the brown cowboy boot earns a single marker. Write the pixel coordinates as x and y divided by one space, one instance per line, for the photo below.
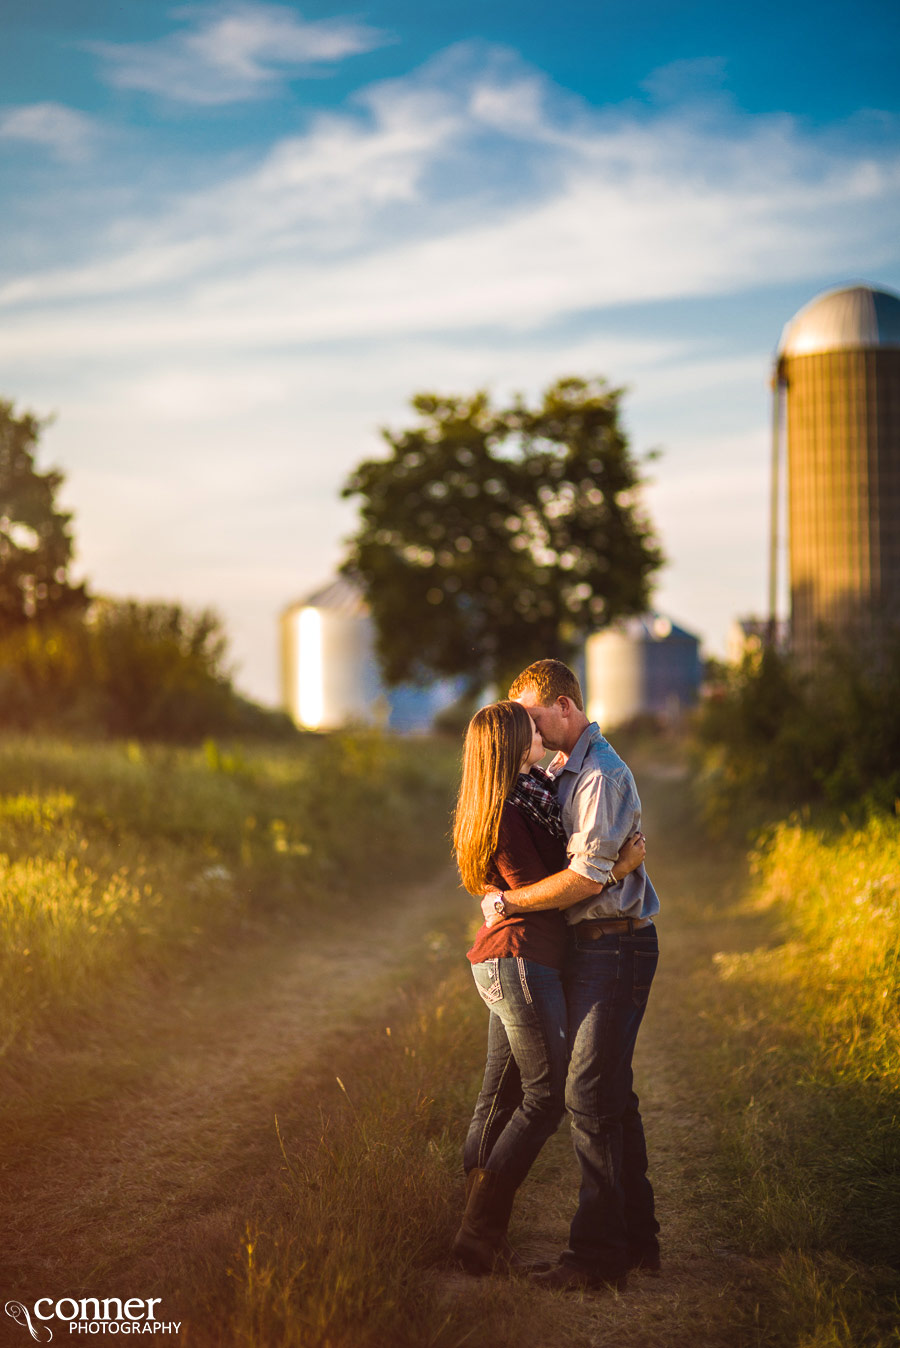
481 1245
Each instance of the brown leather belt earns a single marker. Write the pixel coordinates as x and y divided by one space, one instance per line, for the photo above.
595 927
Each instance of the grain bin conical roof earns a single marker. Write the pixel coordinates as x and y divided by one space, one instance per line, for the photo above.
338 596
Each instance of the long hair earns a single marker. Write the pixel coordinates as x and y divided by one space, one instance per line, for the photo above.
496 741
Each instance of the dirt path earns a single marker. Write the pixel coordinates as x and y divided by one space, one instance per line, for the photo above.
163 1159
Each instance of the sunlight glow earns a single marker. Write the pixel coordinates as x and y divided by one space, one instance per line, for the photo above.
310 674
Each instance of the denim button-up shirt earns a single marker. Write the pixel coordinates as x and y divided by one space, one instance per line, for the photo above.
600 809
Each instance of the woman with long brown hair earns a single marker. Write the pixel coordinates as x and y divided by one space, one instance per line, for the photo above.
508 833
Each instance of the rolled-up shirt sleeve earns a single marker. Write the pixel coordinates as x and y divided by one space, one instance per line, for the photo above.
598 819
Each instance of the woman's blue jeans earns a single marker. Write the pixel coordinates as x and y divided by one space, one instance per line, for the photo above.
607 985
522 1099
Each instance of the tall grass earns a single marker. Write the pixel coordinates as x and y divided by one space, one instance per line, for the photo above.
116 858
357 1256
813 1023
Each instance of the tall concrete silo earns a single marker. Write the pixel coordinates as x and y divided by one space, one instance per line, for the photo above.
838 378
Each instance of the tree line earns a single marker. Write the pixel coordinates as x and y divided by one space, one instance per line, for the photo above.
72 661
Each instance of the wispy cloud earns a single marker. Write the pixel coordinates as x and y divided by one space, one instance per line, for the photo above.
370 221
688 80
233 52
70 136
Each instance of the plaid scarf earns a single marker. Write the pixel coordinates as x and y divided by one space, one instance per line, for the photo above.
535 795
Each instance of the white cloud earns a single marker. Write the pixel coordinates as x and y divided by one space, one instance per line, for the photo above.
69 135
233 52
598 241
687 80
368 223
309 195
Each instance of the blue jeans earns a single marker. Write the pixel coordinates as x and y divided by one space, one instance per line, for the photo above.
522 1099
607 984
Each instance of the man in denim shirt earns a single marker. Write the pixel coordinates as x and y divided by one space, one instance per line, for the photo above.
612 959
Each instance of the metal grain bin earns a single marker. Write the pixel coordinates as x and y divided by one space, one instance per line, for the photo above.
329 672
330 677
644 666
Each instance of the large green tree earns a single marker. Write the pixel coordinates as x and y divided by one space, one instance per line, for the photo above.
35 542
492 536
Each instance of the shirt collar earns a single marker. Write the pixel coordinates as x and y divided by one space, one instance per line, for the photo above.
590 735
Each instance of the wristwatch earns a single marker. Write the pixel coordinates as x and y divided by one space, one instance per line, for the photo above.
500 905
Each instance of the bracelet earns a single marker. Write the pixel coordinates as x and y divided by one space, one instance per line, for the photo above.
613 880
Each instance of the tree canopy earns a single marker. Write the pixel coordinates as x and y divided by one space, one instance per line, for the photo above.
35 542
491 537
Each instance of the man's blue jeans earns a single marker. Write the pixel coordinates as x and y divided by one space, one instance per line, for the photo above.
522 1099
607 983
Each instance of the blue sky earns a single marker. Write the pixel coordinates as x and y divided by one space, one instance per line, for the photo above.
237 237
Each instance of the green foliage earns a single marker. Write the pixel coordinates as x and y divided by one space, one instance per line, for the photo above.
116 667
149 670
160 667
492 536
35 543
772 738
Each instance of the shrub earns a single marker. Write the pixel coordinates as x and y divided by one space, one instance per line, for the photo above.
145 670
770 738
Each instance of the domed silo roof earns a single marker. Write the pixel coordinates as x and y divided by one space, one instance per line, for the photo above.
852 317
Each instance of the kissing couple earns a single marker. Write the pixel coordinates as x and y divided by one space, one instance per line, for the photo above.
564 963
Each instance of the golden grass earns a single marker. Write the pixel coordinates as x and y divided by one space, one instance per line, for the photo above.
116 859
812 1028
357 1256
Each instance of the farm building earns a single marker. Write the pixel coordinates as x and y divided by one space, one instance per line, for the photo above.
330 675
